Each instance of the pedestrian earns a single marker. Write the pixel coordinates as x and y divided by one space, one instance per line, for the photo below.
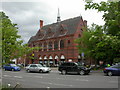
108 65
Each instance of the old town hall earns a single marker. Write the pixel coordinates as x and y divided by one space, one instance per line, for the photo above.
57 41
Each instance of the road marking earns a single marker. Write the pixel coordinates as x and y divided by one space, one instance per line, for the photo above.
62 85
56 84
7 76
82 80
38 76
48 88
18 76
15 72
113 81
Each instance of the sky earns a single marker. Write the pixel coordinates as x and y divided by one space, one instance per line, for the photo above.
27 13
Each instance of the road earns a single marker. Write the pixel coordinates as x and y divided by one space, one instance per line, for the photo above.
55 80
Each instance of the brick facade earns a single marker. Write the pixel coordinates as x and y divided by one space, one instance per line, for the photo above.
57 42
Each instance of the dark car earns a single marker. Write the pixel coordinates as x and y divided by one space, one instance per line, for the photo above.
73 67
11 67
113 70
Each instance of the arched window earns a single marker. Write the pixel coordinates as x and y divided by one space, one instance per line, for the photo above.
40 45
62 44
33 44
50 46
45 46
56 45
69 42
79 36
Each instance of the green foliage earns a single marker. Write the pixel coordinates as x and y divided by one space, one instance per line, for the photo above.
111 15
12 47
116 60
9 37
98 45
103 42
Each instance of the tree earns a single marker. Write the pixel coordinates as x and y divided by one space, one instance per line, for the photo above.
103 42
9 37
111 15
11 47
98 45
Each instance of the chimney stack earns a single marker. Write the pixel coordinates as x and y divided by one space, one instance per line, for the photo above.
85 22
41 23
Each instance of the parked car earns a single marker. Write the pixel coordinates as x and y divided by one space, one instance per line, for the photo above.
113 70
67 67
11 67
20 65
37 68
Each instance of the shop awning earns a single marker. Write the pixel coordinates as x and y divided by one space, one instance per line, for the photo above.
45 57
50 57
62 57
56 57
40 58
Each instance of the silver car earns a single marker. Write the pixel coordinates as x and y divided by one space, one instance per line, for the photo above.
37 68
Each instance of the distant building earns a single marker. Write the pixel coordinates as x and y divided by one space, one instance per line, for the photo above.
57 41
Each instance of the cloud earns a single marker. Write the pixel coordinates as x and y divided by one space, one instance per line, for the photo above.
27 14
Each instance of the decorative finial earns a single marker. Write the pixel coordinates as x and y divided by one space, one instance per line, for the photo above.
80 15
58 16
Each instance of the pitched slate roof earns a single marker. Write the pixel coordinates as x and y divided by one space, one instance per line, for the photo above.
70 25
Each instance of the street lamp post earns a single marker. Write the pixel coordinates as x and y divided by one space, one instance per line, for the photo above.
24 60
82 56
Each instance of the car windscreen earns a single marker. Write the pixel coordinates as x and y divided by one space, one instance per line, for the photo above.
39 65
79 64
13 65
115 66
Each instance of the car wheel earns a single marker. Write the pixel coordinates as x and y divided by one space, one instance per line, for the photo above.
12 69
4 69
48 71
109 73
63 72
41 71
82 72
28 70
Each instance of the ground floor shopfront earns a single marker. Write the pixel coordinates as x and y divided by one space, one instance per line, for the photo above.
55 58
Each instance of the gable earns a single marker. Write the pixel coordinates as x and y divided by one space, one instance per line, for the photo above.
66 27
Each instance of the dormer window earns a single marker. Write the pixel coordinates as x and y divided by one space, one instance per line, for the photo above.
63 30
41 34
50 33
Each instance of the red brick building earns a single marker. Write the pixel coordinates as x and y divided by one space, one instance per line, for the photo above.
57 41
